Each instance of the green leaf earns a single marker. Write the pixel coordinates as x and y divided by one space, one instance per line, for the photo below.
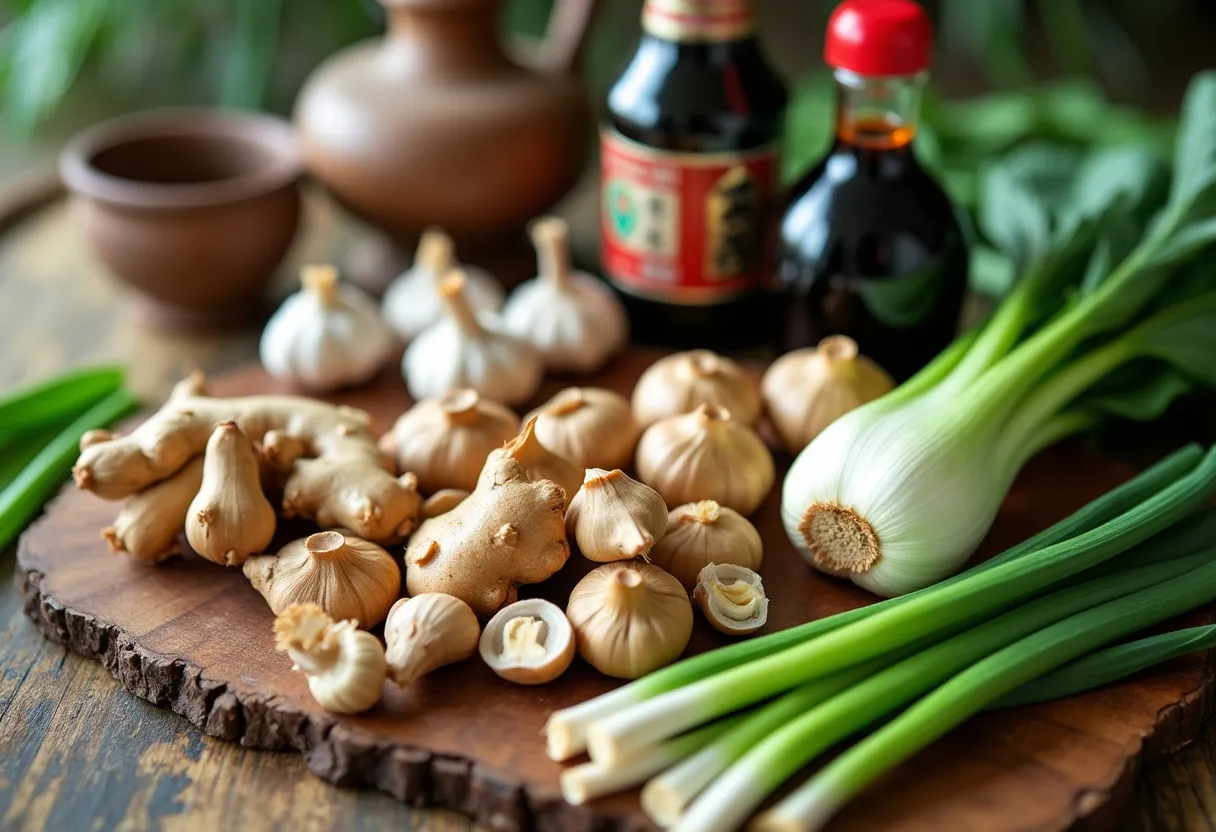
1184 243
1134 175
1185 336
1195 154
1142 392
1018 196
991 272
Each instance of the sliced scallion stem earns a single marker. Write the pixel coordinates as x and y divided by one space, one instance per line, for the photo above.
57 400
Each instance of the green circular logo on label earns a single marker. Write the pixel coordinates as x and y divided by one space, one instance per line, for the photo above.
622 211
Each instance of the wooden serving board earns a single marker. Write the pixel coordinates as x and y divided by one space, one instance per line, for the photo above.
196 638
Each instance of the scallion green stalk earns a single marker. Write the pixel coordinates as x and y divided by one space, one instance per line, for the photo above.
57 400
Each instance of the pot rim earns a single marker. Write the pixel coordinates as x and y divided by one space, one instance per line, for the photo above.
272 135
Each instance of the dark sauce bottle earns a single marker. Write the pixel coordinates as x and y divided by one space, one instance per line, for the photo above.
690 165
869 245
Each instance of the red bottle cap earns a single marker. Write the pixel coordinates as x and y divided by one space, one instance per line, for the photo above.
879 37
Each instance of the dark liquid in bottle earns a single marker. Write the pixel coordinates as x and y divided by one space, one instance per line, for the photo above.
702 98
869 247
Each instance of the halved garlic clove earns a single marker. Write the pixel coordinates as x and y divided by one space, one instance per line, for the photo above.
426 632
529 642
732 598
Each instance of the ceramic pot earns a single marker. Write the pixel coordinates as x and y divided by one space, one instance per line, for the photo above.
193 209
435 125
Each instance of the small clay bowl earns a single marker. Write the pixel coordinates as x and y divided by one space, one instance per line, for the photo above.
193 209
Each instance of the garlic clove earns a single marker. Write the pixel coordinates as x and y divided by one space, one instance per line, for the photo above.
806 390
732 598
629 618
412 303
706 455
614 517
229 518
426 632
326 336
702 533
529 642
590 426
680 383
572 318
467 348
346 576
540 461
445 440
441 502
344 666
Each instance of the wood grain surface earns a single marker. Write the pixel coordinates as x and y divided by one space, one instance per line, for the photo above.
76 751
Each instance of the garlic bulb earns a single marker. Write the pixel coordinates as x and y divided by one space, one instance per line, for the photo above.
806 390
590 426
613 517
732 599
706 455
679 383
699 534
629 618
529 642
444 441
573 319
412 303
326 335
344 665
469 349
426 632
345 576
539 461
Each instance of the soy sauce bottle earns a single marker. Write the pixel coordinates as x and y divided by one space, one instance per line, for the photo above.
869 245
690 160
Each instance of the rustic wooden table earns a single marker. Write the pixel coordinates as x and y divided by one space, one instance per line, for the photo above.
77 752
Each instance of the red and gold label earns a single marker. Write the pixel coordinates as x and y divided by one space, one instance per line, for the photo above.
698 20
684 227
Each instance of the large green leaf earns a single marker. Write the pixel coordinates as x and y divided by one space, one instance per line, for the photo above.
1185 336
1018 196
1195 153
1141 391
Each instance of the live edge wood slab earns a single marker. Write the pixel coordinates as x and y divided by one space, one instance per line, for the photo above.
196 638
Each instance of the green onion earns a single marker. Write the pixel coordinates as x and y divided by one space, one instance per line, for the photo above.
810 806
58 400
14 460
1111 665
949 606
25 495
566 729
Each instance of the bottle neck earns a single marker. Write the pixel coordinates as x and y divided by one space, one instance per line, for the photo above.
877 113
698 21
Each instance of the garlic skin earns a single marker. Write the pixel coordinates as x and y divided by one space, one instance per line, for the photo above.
344 665
529 642
539 461
573 319
702 533
445 440
732 599
426 632
465 348
613 517
806 390
412 304
590 426
345 576
325 336
706 455
230 518
680 383
629 619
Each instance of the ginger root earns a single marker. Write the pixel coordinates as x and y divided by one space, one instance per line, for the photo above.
509 531
149 523
334 473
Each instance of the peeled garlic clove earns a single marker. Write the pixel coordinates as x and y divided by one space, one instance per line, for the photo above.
806 390
706 455
466 348
441 502
529 642
326 335
702 533
540 461
426 632
344 666
629 619
412 302
444 441
230 518
680 383
573 319
590 426
614 517
732 598
346 576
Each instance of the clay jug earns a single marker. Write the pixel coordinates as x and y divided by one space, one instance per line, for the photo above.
435 125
